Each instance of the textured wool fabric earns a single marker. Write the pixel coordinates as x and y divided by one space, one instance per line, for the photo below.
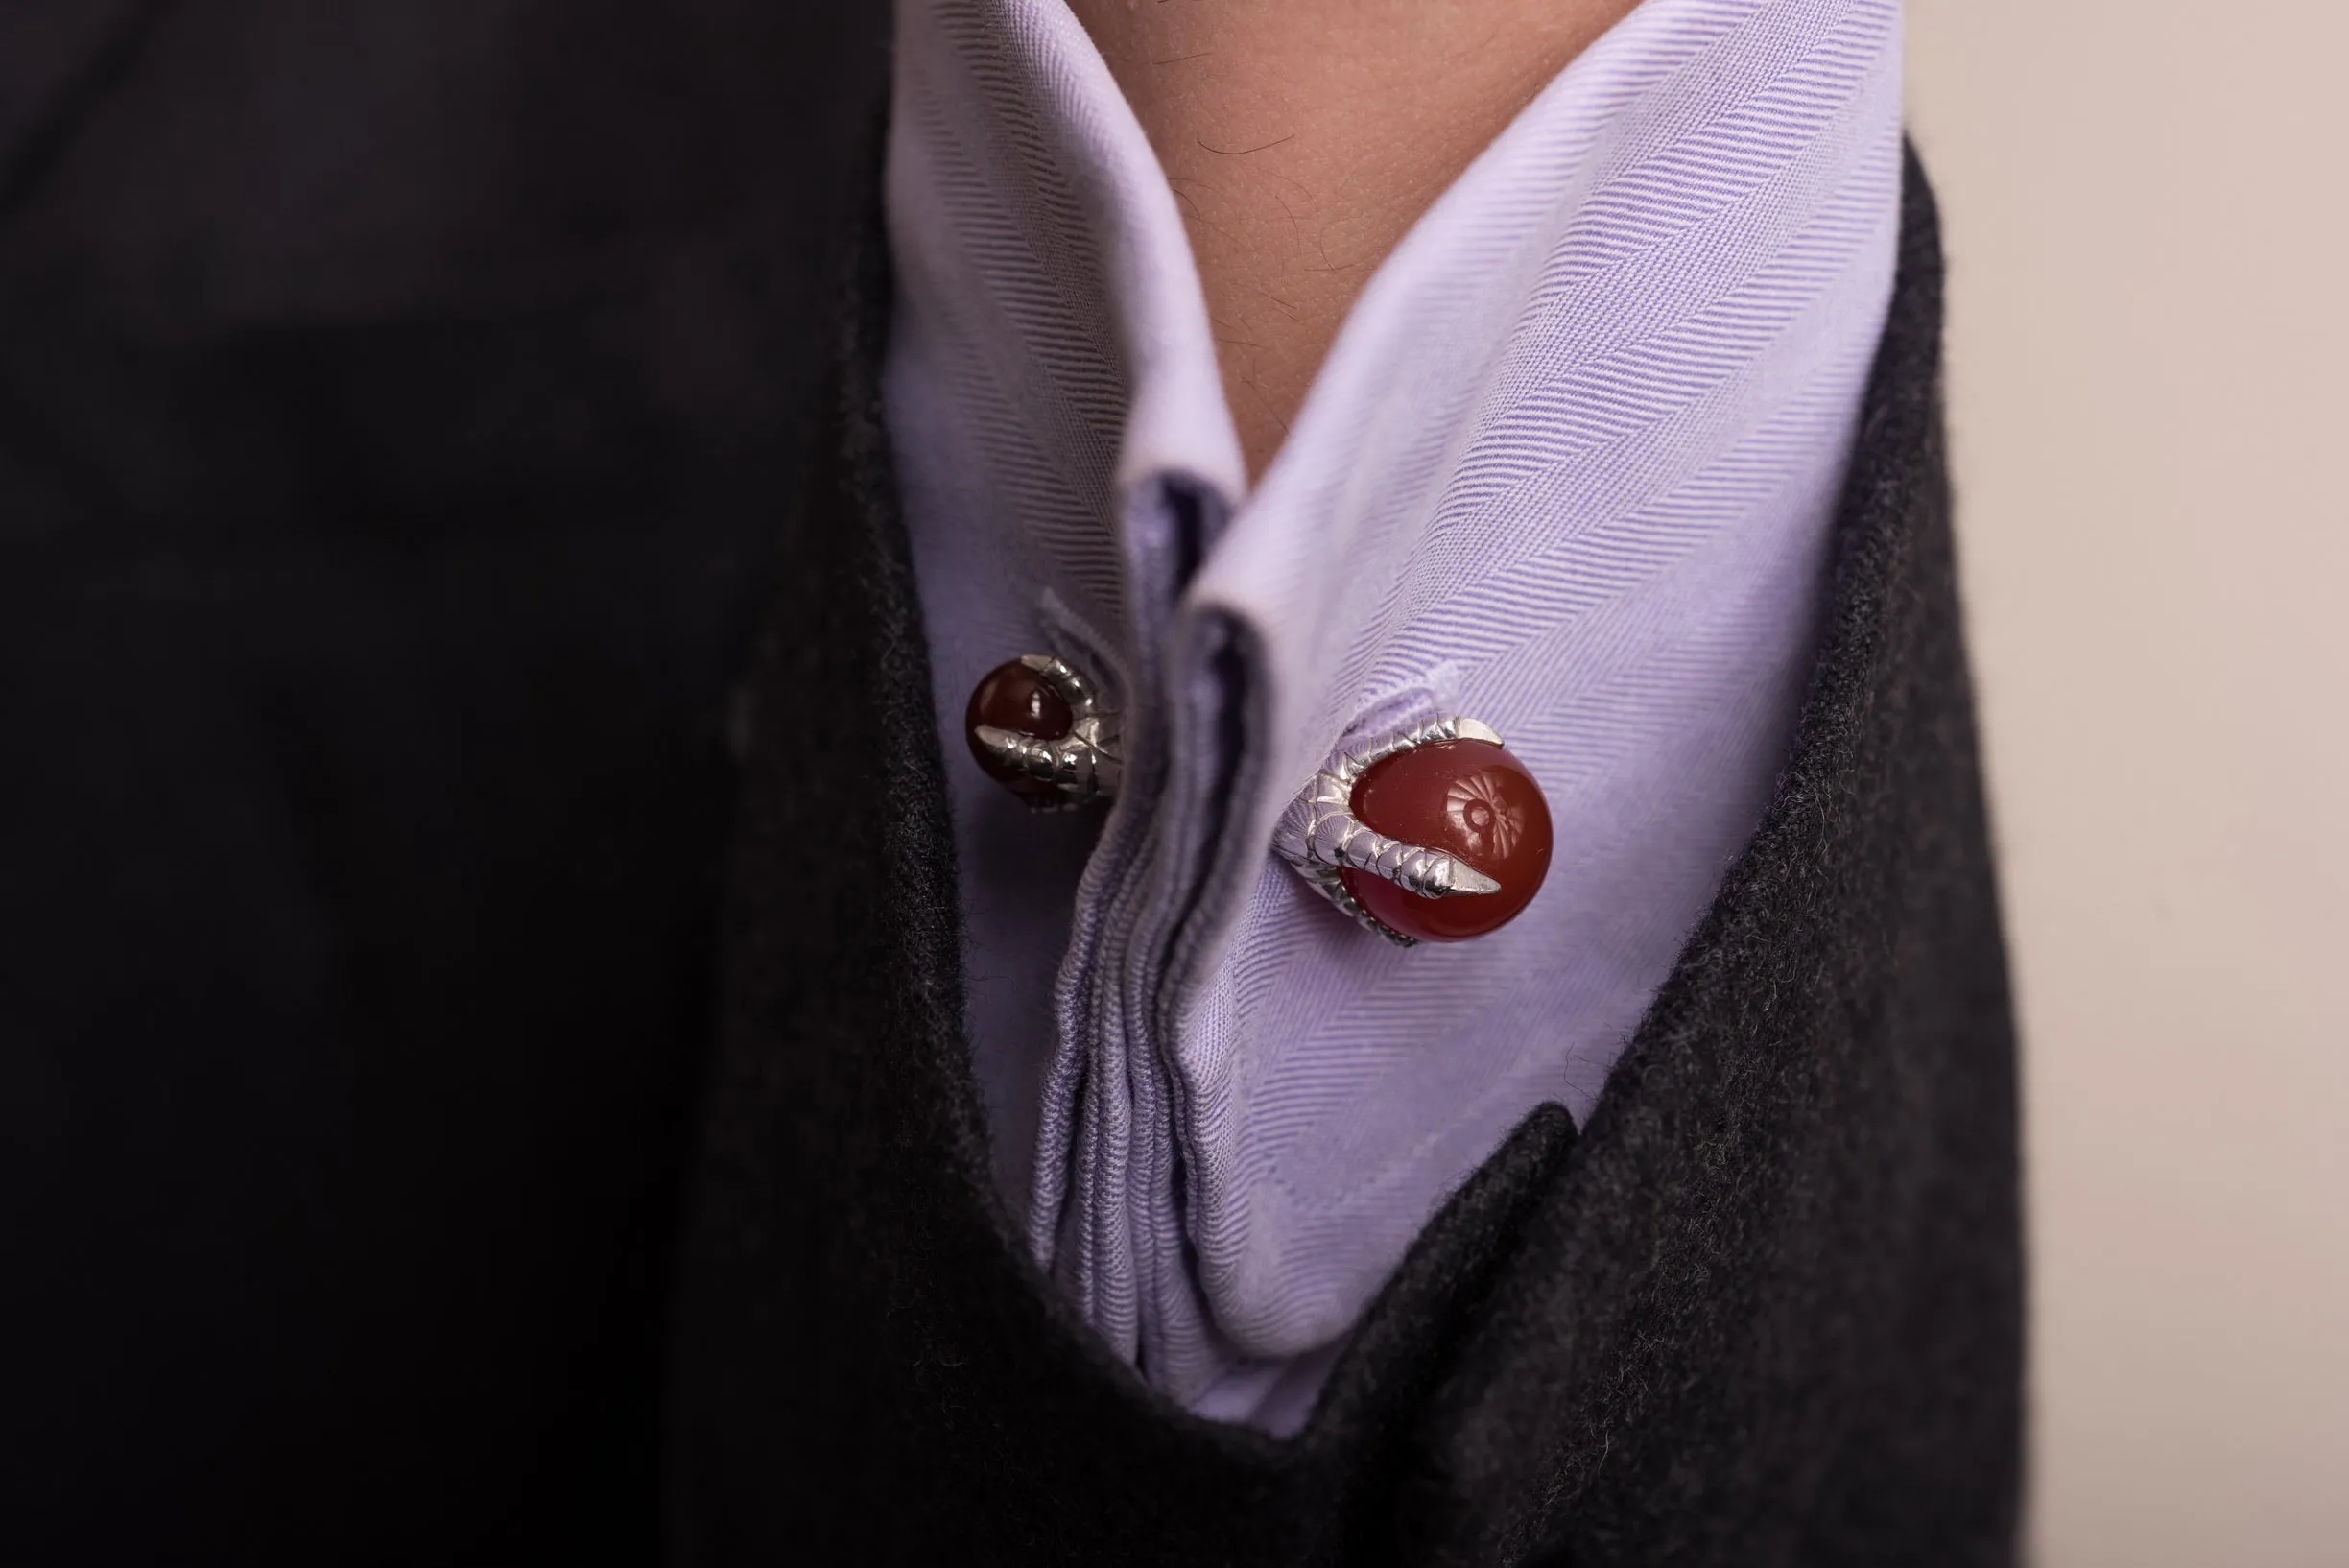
1569 469
1762 1310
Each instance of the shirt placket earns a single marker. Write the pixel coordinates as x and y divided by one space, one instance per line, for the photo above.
1108 1215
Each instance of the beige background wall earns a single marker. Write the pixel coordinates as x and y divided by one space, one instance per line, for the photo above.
2148 215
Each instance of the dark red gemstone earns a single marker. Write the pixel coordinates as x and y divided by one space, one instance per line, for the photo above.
1015 697
1470 799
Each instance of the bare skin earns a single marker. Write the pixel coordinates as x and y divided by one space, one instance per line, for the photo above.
1304 137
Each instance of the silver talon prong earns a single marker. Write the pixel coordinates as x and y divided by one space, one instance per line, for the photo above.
1475 729
1320 837
1063 677
1023 753
1334 836
1075 764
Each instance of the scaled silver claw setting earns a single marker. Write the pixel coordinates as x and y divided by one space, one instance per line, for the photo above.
1319 835
1083 766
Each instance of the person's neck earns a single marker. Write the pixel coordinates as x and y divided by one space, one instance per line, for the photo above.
1304 137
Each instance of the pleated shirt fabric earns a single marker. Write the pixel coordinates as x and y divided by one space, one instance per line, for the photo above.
1569 469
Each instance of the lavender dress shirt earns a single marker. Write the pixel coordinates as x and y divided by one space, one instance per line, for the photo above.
1568 468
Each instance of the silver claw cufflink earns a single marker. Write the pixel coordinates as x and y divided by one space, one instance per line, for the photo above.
1433 833
1037 727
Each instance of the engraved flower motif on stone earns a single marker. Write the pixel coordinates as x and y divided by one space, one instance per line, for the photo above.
1488 821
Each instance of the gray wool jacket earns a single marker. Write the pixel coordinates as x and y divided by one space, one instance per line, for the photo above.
1763 1308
